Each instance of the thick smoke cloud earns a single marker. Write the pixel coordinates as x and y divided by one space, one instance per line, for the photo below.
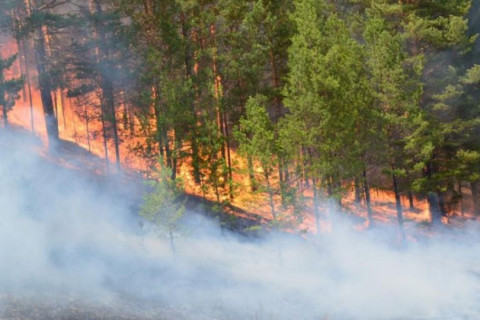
64 235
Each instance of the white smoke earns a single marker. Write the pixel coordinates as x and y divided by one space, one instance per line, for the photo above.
63 235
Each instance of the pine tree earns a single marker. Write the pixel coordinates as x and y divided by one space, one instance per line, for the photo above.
257 138
163 206
9 89
41 22
396 84
326 95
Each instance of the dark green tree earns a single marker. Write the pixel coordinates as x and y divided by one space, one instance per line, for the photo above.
326 95
9 89
396 86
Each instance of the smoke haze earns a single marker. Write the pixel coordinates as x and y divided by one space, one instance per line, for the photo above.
64 236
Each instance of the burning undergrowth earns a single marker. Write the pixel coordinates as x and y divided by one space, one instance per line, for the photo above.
73 249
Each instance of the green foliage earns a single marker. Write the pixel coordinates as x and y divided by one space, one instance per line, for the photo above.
256 133
395 82
9 89
472 76
257 137
163 206
326 92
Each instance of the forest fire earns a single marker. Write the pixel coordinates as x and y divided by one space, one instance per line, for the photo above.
295 159
75 123
79 124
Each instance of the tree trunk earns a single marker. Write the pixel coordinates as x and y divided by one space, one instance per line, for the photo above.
29 86
5 114
162 142
87 124
105 145
62 102
475 198
73 120
338 193
435 215
305 163
410 200
441 203
55 104
106 84
329 187
229 157
280 171
3 101
162 134
281 182
398 204
27 69
51 121
432 198
286 174
366 190
217 94
358 197
189 73
315 206
21 63
270 195
177 146
251 174
460 193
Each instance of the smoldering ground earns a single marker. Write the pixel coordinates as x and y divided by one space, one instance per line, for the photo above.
67 243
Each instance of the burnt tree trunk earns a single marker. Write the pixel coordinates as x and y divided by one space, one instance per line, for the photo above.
315 205
356 185
398 204
460 194
410 200
51 121
106 83
432 198
475 198
366 190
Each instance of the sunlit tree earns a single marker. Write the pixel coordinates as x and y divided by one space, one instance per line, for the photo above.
163 205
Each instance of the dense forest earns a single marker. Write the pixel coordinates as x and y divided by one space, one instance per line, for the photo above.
279 99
